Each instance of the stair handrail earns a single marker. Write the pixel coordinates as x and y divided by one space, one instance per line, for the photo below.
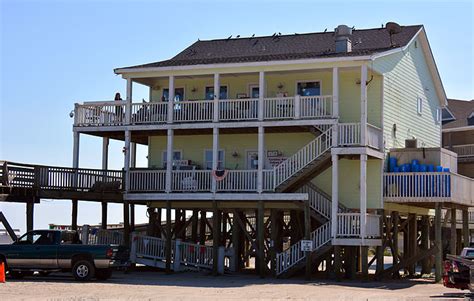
302 157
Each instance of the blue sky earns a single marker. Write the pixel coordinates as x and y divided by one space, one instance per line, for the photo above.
55 53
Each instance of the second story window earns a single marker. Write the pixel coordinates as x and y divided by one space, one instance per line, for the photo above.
177 155
210 93
308 88
419 105
178 94
208 159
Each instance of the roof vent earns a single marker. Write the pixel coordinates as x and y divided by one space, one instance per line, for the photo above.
393 28
343 39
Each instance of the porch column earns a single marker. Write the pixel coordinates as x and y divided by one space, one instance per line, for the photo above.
453 232
261 94
126 164
335 92
30 205
170 98
128 105
215 155
75 150
334 195
169 160
261 158
363 104
465 228
363 195
217 94
439 243
105 163
74 215
335 105
133 164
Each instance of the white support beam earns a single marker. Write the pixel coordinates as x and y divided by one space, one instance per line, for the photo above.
335 92
363 196
75 150
217 92
126 164
105 153
169 159
334 195
170 98
261 158
128 105
133 155
215 155
261 94
363 104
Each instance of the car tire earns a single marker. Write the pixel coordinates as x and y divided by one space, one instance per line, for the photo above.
16 274
44 273
103 274
83 270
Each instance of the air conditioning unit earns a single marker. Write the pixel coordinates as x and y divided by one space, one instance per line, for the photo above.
411 143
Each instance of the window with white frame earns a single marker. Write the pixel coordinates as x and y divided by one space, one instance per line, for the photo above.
419 105
208 159
210 92
308 88
438 115
177 155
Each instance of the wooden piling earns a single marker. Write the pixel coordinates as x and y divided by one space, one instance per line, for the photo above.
126 223
439 243
29 215
168 237
466 237
453 232
74 215
307 236
215 237
104 215
261 239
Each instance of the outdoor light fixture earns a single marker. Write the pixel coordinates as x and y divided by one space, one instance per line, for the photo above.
71 114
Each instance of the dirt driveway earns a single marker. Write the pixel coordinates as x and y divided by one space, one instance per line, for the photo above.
198 286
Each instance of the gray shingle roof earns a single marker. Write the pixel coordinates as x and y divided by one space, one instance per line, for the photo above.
285 47
461 110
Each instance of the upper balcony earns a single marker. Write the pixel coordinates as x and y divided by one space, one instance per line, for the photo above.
114 113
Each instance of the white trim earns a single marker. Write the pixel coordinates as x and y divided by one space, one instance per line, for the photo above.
285 197
247 151
470 116
204 167
249 64
419 105
309 81
459 129
250 86
450 113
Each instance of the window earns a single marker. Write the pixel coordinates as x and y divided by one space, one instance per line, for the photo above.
254 91
419 105
37 238
308 88
447 115
177 155
178 94
208 159
438 115
210 93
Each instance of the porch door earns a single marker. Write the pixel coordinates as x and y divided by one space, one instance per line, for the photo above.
252 159
254 91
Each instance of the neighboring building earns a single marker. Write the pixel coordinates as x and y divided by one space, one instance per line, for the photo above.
458 133
283 139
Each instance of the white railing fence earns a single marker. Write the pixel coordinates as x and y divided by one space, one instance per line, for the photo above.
150 112
466 150
373 229
349 134
302 157
191 180
279 108
149 247
142 180
417 185
348 225
317 201
97 236
238 109
374 137
100 113
239 180
196 255
315 106
294 254
193 110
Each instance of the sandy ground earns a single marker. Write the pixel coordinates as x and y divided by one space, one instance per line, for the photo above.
147 285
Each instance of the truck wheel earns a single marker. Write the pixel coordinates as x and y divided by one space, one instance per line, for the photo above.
103 274
83 270
16 274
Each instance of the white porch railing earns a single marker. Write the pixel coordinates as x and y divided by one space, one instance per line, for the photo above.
268 175
279 108
349 134
238 109
239 180
149 247
196 255
147 180
349 224
374 137
315 106
96 236
193 110
100 113
317 201
191 180
302 157
463 151
293 255
150 112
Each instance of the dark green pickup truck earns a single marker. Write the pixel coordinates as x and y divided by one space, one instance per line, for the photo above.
47 251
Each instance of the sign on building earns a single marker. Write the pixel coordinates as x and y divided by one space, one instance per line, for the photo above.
306 245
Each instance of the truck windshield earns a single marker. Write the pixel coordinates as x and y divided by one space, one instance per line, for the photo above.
37 238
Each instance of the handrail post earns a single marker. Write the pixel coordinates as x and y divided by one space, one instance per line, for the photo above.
297 106
128 104
170 99
261 95
177 255
217 92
